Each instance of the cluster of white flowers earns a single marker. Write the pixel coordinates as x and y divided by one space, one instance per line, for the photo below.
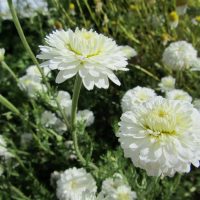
2 52
134 97
77 184
91 55
161 136
181 55
31 81
25 8
49 120
115 188
167 83
73 182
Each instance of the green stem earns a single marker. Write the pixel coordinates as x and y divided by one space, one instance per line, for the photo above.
23 39
76 92
5 66
34 59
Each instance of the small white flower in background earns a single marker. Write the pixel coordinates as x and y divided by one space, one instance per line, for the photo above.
181 6
134 97
49 120
128 51
2 52
91 55
72 9
65 101
34 71
162 136
173 19
74 182
25 8
116 189
178 94
167 83
179 55
3 149
32 85
87 116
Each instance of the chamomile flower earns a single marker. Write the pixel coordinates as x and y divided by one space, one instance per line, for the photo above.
178 94
91 55
34 71
162 136
65 101
74 182
32 85
167 83
2 52
117 189
49 120
173 19
179 55
134 97
87 116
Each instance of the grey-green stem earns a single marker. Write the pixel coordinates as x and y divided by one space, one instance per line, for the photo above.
76 92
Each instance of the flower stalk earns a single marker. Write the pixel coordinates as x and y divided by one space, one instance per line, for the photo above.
76 93
34 59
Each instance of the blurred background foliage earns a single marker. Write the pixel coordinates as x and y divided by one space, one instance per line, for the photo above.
141 24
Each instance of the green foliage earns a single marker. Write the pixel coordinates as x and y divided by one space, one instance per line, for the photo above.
27 174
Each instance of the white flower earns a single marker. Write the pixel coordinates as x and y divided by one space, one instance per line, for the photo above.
34 71
25 8
133 97
31 85
173 20
3 149
128 51
49 120
178 94
167 83
162 136
116 189
87 116
179 55
2 52
93 56
74 182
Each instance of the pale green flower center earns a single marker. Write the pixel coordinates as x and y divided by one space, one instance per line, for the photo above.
123 196
73 184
